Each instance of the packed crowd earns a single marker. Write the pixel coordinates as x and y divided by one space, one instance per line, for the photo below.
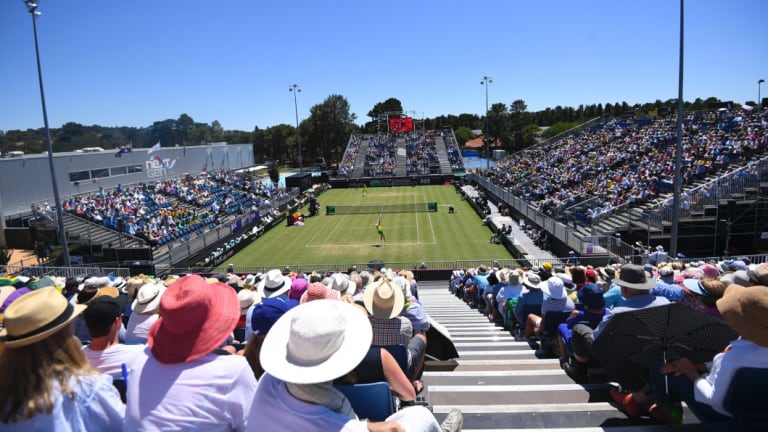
452 147
347 164
622 163
380 157
230 352
421 152
168 208
566 311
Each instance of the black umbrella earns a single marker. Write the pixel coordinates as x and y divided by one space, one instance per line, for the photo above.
376 264
659 334
439 343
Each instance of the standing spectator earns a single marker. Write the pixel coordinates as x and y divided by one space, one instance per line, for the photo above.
60 389
181 382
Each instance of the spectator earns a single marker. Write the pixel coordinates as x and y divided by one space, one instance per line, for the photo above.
531 295
703 386
555 300
104 318
61 390
145 313
593 313
180 381
264 316
306 349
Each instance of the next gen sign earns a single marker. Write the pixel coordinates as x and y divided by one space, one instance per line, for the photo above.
159 167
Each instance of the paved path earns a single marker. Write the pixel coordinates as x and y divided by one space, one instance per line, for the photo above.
500 385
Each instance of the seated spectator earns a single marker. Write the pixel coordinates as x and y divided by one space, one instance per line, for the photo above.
555 300
308 348
180 381
104 318
264 316
531 295
703 386
61 390
703 294
509 294
635 288
384 303
594 310
145 313
666 286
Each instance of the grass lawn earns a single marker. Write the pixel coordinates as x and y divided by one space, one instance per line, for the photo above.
336 241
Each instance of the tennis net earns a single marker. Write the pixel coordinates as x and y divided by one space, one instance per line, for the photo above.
381 208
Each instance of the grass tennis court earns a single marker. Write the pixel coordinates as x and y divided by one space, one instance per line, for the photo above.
353 238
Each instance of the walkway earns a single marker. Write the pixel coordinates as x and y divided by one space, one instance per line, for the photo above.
500 385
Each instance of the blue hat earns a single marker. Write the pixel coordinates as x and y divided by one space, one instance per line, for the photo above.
592 296
267 312
694 285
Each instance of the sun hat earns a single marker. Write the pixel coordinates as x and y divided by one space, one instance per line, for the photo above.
40 283
15 294
37 315
482 269
633 276
383 300
90 293
5 291
298 286
667 274
246 298
318 291
607 273
591 296
694 285
590 273
249 281
759 274
745 309
546 266
148 298
195 318
342 284
316 342
101 312
266 313
503 275
709 270
532 280
133 285
515 278
554 288
273 284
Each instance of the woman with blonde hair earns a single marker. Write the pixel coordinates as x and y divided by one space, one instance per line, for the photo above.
48 383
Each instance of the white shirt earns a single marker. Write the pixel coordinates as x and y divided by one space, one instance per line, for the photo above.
110 361
211 394
138 327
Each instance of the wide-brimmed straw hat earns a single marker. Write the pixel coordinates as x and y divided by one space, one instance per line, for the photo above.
383 300
532 280
745 309
148 298
247 298
342 284
316 342
273 284
634 276
195 318
37 315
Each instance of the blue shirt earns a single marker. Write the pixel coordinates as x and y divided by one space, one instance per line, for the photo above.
95 407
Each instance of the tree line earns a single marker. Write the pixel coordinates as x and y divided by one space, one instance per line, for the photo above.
325 133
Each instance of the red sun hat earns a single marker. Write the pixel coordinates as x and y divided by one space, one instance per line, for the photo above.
195 318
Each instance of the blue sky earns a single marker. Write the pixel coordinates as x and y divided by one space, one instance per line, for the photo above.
133 62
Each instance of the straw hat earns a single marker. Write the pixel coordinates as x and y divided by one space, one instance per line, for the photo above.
273 284
37 315
316 342
745 309
383 300
148 298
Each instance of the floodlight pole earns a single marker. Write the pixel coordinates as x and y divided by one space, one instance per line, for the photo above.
485 81
759 99
295 89
678 180
32 9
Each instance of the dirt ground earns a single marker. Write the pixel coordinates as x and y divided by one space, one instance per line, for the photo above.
23 257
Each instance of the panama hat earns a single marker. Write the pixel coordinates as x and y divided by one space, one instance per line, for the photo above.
316 342
532 280
342 284
247 298
148 298
745 309
634 276
37 315
273 284
195 318
383 300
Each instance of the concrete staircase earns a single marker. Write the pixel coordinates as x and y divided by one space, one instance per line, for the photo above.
362 151
401 157
442 156
500 385
80 230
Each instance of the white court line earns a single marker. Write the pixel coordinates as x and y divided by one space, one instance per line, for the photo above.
317 232
416 216
325 242
429 217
